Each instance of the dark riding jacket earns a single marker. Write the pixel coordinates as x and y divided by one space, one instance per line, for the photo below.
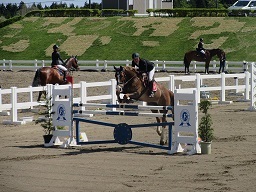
55 58
200 46
144 65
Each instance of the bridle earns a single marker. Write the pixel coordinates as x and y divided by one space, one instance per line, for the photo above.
123 83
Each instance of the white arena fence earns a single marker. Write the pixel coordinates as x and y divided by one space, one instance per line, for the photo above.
25 98
103 65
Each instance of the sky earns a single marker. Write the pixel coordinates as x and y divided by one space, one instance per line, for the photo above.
78 3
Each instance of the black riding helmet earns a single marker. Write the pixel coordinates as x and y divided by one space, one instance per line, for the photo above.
201 39
55 46
135 55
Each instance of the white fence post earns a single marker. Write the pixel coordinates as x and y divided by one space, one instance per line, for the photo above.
97 64
223 82
194 66
127 62
171 84
10 65
35 64
83 93
31 96
112 91
247 86
253 87
14 102
198 86
4 64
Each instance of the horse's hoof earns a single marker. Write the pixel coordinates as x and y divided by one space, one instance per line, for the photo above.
163 142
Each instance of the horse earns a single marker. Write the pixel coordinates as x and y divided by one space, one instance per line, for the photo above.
209 53
50 75
133 86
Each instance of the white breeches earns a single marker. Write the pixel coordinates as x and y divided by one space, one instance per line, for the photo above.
202 51
62 67
151 74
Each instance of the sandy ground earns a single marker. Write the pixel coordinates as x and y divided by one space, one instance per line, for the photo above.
25 165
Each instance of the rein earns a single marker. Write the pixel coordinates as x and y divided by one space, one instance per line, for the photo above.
128 80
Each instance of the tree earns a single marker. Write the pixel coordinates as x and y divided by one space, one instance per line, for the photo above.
39 6
2 10
71 5
200 4
22 8
11 10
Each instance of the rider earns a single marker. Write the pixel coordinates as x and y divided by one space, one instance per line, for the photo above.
55 61
145 66
200 47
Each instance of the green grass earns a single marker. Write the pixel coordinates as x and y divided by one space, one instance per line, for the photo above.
240 45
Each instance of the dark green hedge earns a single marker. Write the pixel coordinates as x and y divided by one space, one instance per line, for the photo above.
10 21
64 13
239 13
80 12
115 12
180 12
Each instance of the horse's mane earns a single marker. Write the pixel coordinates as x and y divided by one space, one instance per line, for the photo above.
130 69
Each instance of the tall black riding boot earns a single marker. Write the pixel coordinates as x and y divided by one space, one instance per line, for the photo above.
64 76
152 93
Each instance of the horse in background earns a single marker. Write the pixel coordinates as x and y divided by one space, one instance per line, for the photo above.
50 75
132 85
209 53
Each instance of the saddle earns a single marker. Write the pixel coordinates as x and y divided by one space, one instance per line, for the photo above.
146 82
59 70
200 54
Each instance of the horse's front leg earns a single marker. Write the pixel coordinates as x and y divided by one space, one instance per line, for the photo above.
161 130
187 70
129 96
118 92
163 138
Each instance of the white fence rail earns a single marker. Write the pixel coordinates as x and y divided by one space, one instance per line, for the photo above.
84 95
234 66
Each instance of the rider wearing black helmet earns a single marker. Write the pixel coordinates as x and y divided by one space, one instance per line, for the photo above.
55 61
145 66
200 47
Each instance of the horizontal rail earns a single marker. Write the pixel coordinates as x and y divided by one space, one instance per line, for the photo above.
125 106
108 65
122 113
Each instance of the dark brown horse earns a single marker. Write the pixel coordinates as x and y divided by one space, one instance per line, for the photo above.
49 75
196 56
133 87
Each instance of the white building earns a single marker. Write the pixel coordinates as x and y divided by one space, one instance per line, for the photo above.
140 5
143 5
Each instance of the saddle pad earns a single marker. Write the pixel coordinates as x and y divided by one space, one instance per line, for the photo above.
154 86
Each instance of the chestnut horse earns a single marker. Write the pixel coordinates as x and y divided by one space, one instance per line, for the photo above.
49 75
132 85
196 56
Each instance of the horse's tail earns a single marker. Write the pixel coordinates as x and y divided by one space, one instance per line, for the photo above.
172 102
36 80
